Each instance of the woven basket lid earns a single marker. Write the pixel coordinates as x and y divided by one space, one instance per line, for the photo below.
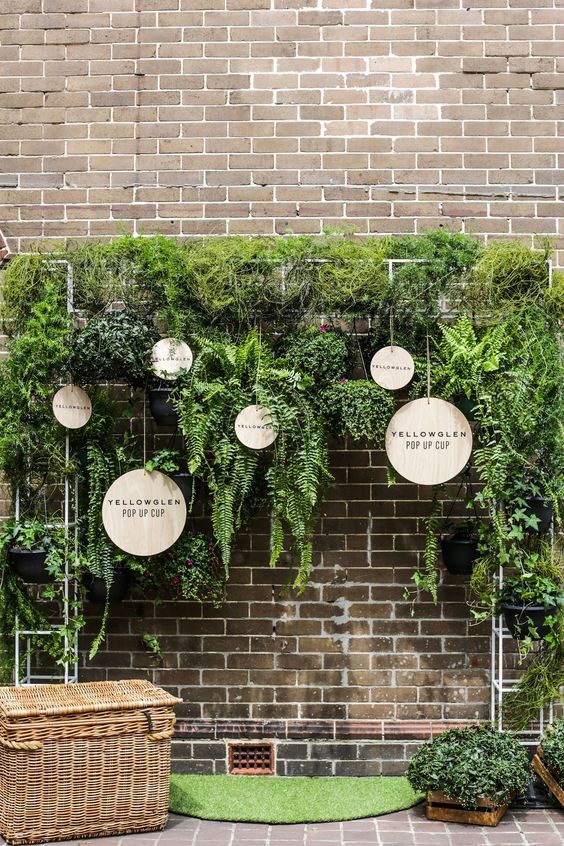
82 698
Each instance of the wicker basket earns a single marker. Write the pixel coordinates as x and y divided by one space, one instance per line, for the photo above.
84 760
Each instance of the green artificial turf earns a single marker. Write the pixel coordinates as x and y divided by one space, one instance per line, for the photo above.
268 799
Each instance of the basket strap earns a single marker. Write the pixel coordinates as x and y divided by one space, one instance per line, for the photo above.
27 745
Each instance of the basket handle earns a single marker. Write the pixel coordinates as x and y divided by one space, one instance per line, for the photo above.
162 735
158 735
27 745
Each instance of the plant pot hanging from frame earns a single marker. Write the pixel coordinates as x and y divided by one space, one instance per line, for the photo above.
96 588
162 408
29 565
519 617
459 554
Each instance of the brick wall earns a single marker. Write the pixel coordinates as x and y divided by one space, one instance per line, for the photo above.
259 116
345 680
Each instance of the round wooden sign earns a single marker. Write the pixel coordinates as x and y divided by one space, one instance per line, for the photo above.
144 513
72 407
428 441
169 357
392 368
253 427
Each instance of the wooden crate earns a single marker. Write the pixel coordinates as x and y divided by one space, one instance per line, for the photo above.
440 807
544 773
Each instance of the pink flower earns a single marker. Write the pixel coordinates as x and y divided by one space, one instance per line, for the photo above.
189 563
175 580
344 381
323 327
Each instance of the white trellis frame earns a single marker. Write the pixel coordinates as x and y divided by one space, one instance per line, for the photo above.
500 636
23 670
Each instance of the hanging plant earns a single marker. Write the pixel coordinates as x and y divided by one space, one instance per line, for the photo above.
225 379
114 348
357 408
322 352
189 570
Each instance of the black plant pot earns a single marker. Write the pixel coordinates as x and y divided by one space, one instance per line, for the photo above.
541 508
466 405
517 619
185 482
96 587
459 554
162 408
29 564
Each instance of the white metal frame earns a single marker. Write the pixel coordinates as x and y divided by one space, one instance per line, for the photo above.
23 671
500 685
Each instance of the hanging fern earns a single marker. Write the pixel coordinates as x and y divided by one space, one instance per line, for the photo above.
225 378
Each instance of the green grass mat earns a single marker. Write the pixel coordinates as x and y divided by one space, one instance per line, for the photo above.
268 799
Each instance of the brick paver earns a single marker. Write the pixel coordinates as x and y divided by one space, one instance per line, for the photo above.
406 828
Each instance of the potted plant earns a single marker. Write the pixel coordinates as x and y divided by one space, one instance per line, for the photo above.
548 761
539 507
170 462
162 406
99 592
529 602
188 570
470 775
112 347
460 548
35 550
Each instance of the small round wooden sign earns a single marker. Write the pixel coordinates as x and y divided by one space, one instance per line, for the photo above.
428 441
253 427
392 368
72 407
169 357
144 513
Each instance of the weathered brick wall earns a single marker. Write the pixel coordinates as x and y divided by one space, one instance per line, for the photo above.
345 679
259 116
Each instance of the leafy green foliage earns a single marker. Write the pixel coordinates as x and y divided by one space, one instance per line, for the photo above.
323 353
357 408
552 747
31 443
165 460
471 763
225 378
188 570
114 347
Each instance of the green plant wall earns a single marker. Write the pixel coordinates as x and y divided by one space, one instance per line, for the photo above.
292 322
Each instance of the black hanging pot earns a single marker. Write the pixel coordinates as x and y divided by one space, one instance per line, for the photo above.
459 554
519 617
466 405
29 564
162 408
185 482
542 508
96 587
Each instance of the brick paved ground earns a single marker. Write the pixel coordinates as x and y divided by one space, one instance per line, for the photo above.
406 828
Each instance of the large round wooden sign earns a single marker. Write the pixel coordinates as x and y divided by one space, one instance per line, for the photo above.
253 427
392 368
72 407
169 357
428 441
144 513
